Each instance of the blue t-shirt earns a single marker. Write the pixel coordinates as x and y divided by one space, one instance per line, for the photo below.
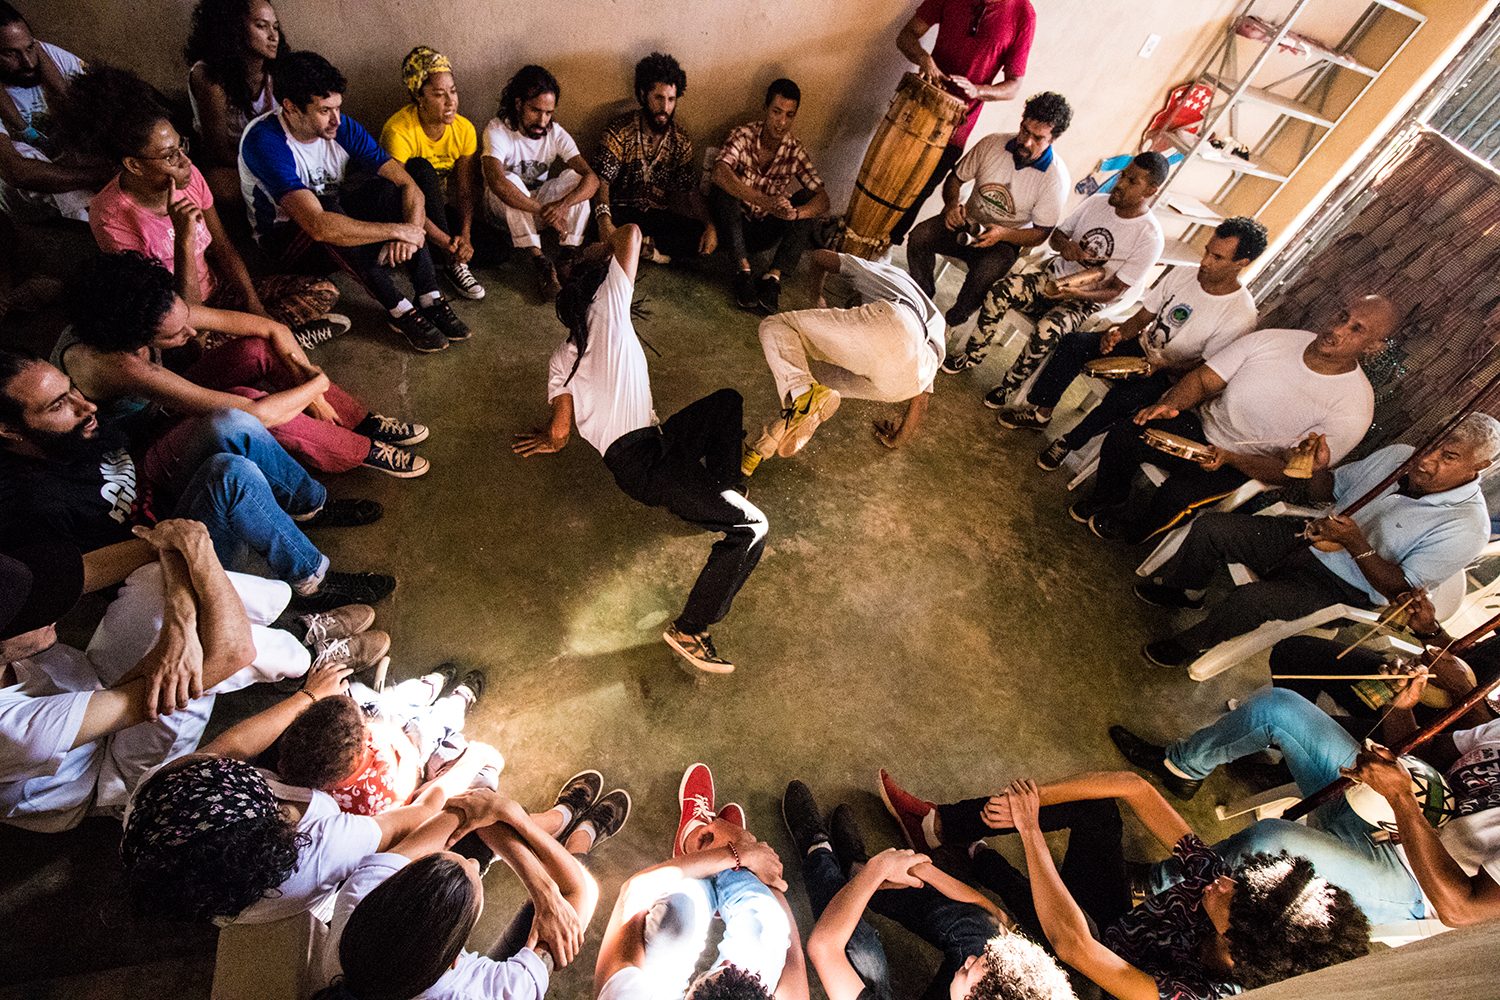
273 164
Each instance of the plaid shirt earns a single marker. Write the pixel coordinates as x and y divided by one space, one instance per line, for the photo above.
790 162
637 179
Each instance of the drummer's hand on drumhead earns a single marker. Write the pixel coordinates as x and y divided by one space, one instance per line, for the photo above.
1156 411
1110 340
1379 768
966 86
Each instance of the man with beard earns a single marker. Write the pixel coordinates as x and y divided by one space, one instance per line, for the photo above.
646 169
35 74
520 194
751 179
1017 199
62 473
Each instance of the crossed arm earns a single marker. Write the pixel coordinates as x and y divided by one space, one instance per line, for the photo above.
341 230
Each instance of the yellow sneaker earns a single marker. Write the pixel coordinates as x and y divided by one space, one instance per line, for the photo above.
758 452
802 418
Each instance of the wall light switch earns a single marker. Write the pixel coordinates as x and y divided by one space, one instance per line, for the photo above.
1151 42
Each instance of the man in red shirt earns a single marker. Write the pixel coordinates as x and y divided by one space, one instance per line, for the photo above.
979 42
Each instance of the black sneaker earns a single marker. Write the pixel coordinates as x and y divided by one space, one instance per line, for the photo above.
608 815
1084 510
1020 418
744 290
1051 459
463 279
1116 529
1161 596
377 427
768 292
473 682
847 842
995 398
441 315
578 793
419 332
320 331
339 589
962 361
1152 759
799 810
395 461
342 514
1168 654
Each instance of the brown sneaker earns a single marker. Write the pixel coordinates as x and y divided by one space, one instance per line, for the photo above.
359 652
340 623
697 650
547 285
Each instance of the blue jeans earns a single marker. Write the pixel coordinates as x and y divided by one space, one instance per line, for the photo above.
959 930
1335 839
235 478
756 929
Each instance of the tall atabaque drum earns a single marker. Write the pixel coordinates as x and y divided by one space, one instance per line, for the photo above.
901 157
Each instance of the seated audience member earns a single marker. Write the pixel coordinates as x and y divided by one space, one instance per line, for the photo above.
39 180
661 920
401 920
1421 530
888 349
690 464
1449 873
439 147
1115 233
372 750
62 472
982 959
125 315
1019 187
647 173
520 194
1226 926
751 177
1251 401
295 162
1185 317
159 205
210 837
231 54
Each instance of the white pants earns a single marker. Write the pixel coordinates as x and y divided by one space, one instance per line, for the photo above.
525 228
38 206
129 630
876 351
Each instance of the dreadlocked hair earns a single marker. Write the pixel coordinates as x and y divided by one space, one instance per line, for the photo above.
580 283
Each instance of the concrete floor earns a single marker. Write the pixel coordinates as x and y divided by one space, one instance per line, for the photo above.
933 611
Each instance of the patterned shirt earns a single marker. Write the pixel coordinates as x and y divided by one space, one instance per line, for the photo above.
790 163
386 778
1160 937
636 178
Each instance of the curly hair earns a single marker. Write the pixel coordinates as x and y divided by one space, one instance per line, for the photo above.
530 81
217 39
1017 968
1251 236
656 68
580 283
109 112
1051 109
1284 920
730 983
217 874
118 299
323 745
301 76
405 934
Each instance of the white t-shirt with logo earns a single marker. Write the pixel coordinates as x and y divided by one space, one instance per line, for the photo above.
1272 400
1473 836
527 158
612 388
1007 196
1131 246
1189 323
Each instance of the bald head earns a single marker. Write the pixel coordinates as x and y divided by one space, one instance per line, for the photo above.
1359 328
1378 313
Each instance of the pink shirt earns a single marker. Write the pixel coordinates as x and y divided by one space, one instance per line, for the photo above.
120 224
1002 41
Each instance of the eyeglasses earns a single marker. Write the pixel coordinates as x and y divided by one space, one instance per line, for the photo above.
978 15
177 154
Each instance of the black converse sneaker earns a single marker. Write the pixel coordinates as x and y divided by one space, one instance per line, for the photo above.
395 461
320 331
463 279
378 427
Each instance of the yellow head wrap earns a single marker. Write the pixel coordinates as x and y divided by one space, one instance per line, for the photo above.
420 64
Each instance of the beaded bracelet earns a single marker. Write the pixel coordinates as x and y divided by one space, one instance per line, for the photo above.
736 857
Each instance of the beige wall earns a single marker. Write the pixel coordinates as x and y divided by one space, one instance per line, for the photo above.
842 53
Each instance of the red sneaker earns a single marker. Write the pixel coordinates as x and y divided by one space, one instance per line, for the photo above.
733 813
696 796
909 811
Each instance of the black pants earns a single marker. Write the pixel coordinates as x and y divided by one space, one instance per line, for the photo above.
375 200
674 235
744 236
1188 484
987 265
690 466
1293 582
951 156
426 176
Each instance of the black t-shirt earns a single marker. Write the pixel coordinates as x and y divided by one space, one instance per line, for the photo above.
92 502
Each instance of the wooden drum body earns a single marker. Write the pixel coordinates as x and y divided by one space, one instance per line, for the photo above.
901 157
